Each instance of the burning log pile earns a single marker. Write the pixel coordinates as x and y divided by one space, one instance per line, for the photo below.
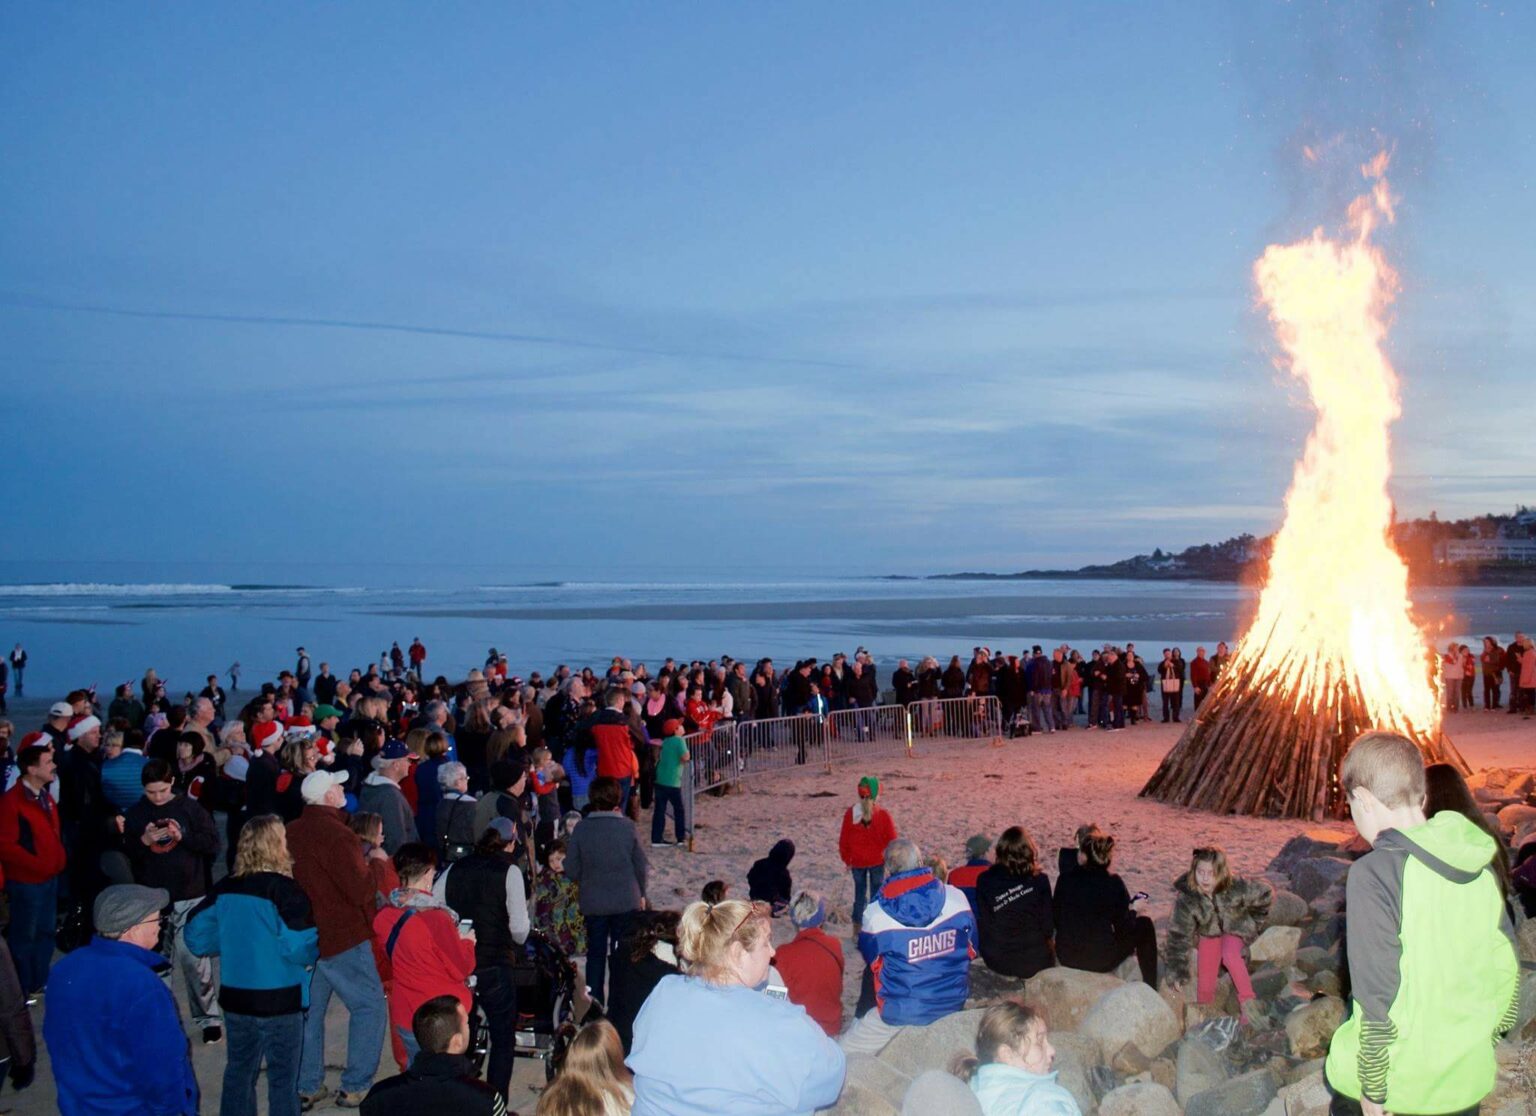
1333 650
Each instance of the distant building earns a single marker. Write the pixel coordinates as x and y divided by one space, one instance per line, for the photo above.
1458 551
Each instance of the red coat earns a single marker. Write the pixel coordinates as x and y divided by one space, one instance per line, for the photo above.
430 960
328 865
863 846
31 848
812 968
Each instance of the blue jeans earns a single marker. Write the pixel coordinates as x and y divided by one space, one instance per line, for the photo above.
673 797
625 785
866 885
603 935
408 1043
34 918
497 997
251 1038
352 976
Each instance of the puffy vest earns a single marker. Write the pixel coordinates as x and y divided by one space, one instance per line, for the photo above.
477 890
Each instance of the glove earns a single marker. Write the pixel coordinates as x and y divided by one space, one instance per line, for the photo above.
21 1076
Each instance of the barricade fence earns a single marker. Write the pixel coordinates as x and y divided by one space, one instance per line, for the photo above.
743 750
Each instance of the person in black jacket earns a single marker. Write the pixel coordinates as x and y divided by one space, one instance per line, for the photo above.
1096 925
769 880
1013 909
171 841
646 955
441 1079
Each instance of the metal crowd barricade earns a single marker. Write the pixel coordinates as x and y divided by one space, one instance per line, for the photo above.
975 717
879 730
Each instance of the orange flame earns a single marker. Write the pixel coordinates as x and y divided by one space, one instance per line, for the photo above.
1334 609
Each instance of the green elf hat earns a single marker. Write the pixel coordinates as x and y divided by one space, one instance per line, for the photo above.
869 787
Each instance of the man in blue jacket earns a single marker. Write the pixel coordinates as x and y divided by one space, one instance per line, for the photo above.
112 1031
918 938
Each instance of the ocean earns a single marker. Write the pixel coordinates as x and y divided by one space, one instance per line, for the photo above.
91 627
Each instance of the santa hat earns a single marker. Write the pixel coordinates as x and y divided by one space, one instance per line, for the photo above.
266 736
82 725
34 740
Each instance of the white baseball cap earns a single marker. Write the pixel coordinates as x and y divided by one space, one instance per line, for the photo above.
318 784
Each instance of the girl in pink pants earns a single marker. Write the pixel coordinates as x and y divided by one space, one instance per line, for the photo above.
1215 916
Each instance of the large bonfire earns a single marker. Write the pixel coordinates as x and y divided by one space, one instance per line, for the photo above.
1333 649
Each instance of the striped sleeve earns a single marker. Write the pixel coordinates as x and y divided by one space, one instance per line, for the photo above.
1374 899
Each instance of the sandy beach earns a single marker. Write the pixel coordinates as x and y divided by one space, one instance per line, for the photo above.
948 790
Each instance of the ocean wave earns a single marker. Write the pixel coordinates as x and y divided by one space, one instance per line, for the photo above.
155 589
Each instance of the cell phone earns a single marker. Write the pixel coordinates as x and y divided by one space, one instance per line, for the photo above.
466 927
1140 895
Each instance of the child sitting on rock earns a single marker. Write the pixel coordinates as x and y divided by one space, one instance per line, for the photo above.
1216 914
1011 1072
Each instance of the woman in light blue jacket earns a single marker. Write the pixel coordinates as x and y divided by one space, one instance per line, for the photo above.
1011 1073
711 1042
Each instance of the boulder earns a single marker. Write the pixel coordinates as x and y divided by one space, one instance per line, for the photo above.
1313 877
1307 1096
1525 940
858 1101
1130 1061
873 1075
1164 1072
1325 983
1302 1070
1305 846
916 1049
1131 1013
1328 904
1310 1027
1075 1056
1197 1068
1513 817
1288 909
1313 959
988 988
1067 995
1247 1095
1276 946
1140 1099
1270 981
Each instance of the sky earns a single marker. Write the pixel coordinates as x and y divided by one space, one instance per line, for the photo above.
607 290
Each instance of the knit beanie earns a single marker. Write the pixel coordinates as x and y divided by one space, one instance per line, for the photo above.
811 921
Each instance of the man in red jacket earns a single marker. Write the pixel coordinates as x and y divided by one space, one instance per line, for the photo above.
328 864
32 857
812 964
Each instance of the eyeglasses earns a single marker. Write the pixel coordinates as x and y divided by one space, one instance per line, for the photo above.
756 909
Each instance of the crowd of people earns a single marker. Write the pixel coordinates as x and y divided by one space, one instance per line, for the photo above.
1459 670
409 848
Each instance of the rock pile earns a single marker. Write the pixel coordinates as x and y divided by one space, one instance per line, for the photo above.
1123 1049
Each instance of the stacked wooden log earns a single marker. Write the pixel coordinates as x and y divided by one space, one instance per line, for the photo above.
1269 738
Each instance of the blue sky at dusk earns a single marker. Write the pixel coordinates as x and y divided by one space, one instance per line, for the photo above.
769 289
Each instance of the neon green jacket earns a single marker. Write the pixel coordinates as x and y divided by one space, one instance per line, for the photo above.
1435 980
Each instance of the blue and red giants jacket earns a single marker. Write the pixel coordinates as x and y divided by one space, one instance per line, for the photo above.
919 938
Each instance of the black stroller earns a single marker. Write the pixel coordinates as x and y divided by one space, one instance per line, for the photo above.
546 990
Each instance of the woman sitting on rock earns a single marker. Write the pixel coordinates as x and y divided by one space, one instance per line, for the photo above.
1216 914
710 1042
1011 1071
1013 909
1096 925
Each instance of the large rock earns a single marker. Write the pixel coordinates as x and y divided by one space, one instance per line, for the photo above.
1288 909
1328 904
859 1101
1314 959
1276 946
1313 877
874 1075
1067 995
988 988
1075 1056
1131 1013
1325 982
1513 817
1310 1027
1140 1099
1248 1095
916 1049
1307 1096
1305 846
1525 940
1197 1068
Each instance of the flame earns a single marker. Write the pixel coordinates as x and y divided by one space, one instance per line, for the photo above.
1334 610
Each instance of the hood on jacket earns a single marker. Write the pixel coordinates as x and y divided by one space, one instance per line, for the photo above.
913 898
782 853
1448 844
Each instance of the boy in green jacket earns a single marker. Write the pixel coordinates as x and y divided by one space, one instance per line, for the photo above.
1431 949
